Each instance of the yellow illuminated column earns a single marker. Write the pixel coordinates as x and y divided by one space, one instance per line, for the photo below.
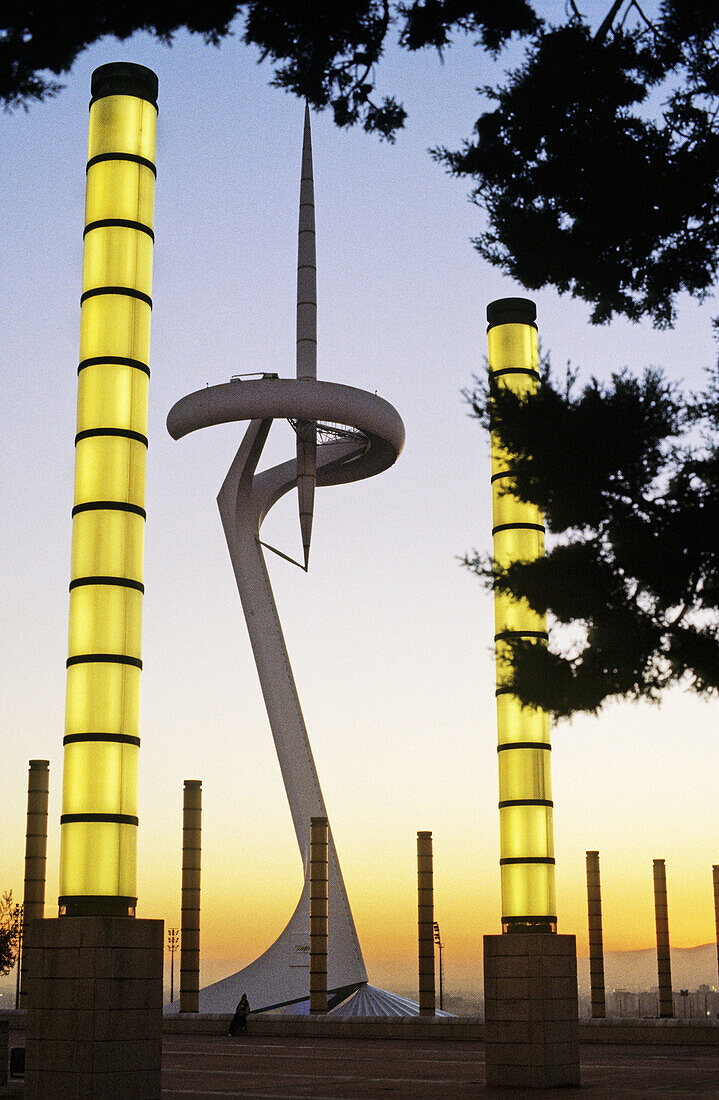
525 797
715 879
99 802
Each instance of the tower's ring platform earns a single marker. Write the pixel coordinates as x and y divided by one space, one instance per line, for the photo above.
300 399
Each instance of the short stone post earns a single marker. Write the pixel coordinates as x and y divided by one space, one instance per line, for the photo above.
661 915
38 787
319 849
596 946
190 924
425 923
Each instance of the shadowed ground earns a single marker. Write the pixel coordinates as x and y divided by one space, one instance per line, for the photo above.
215 1067
209 1066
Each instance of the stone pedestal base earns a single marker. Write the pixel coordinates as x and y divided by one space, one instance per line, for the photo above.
94 1020
531 1011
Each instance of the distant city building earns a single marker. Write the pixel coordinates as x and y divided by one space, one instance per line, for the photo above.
697 1004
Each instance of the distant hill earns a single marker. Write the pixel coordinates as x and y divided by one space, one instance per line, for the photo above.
632 971
636 971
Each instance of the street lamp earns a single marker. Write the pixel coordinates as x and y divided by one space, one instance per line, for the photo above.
173 942
440 945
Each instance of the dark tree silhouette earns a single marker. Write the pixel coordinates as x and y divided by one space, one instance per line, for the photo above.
585 187
597 169
8 933
627 474
325 51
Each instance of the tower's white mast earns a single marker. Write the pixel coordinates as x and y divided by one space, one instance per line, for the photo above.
306 337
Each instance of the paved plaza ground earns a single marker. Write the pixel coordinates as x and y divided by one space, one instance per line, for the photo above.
256 1066
217 1068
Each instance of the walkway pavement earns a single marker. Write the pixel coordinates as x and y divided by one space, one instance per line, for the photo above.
333 1069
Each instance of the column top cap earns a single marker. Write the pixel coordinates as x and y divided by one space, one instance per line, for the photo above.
40 764
124 78
511 311
193 782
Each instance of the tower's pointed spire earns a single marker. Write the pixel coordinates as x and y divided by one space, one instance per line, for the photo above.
307 265
306 337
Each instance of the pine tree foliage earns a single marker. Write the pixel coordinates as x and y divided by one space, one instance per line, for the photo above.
627 474
598 167
325 51
596 164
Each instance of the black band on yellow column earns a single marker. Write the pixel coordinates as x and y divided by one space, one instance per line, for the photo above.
505 634
114 360
127 291
110 505
511 311
513 370
96 905
103 658
524 802
133 157
525 745
122 433
123 582
530 924
116 738
124 78
118 223
112 819
518 527
526 859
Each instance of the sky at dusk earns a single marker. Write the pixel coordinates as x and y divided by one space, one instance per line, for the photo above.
390 639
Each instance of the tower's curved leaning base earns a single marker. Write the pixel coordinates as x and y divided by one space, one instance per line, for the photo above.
370 442
280 976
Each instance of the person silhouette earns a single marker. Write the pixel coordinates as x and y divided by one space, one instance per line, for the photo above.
239 1020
